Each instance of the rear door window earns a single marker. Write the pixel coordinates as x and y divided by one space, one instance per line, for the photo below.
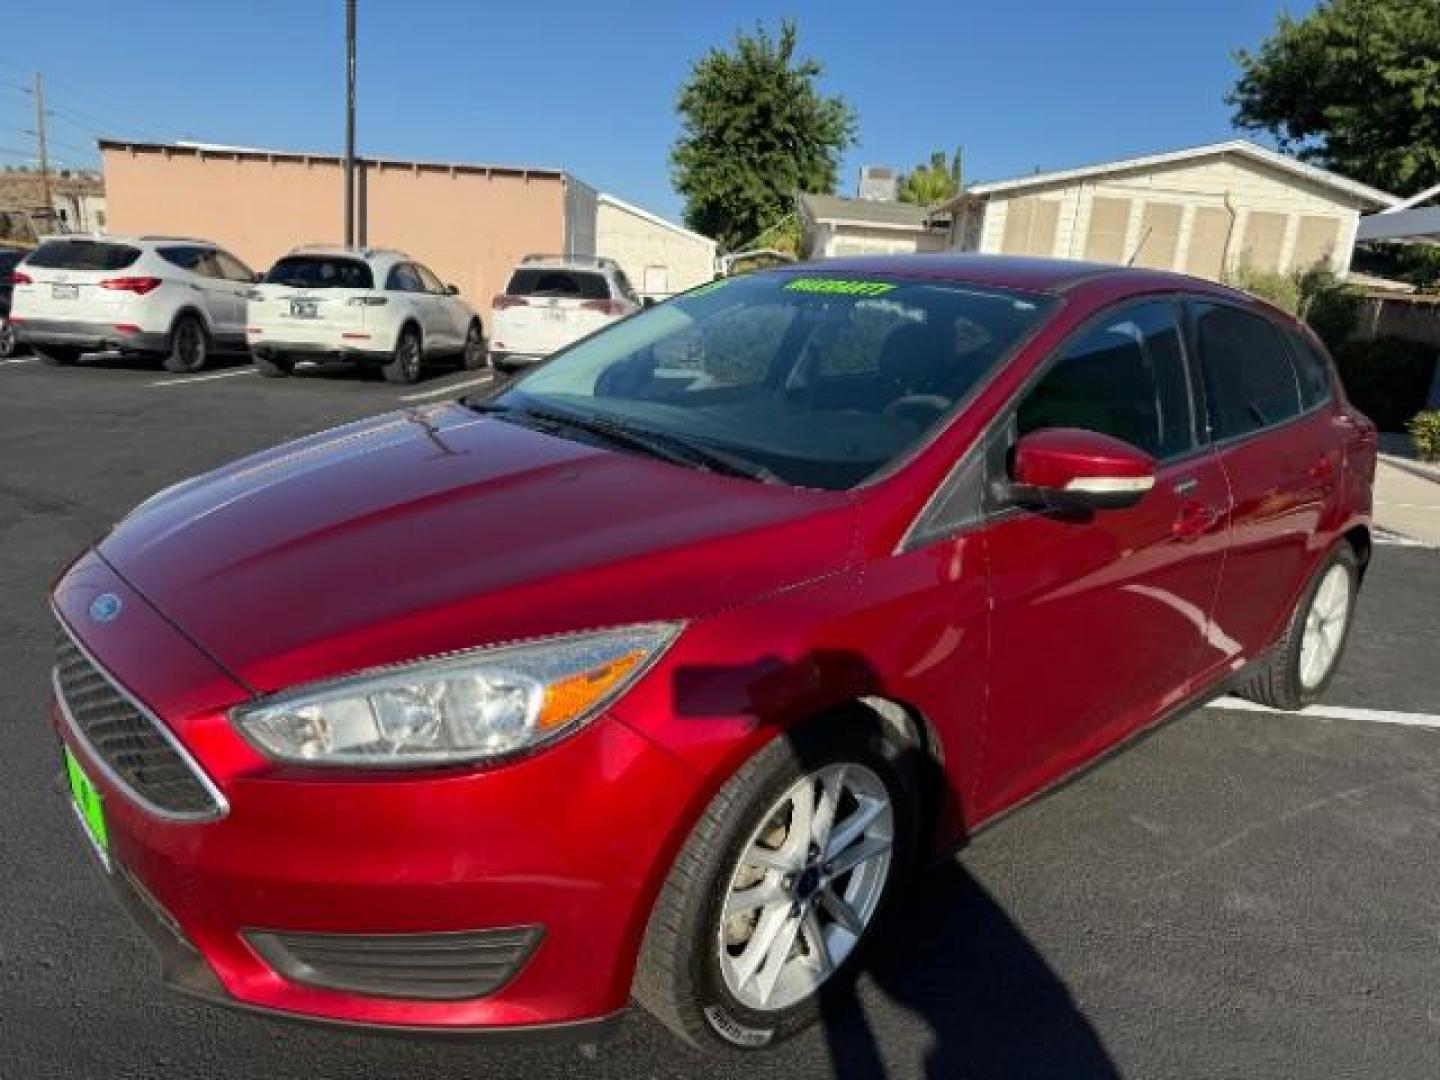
558 282
1249 378
428 281
186 257
1312 368
321 272
1124 378
231 268
93 255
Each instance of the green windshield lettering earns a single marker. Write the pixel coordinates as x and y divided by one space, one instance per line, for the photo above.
839 286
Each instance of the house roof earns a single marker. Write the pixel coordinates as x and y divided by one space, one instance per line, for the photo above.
1237 147
871 213
220 150
654 219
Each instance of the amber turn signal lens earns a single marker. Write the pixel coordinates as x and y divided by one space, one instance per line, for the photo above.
574 695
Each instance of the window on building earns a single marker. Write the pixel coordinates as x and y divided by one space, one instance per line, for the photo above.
1209 233
1159 236
1315 241
1109 224
1264 240
1030 225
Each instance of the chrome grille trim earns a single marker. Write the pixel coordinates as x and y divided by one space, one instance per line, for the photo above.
218 805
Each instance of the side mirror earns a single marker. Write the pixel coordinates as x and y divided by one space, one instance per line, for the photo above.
648 301
1072 469
452 290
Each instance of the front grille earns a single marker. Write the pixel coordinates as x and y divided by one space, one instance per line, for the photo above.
431 967
137 752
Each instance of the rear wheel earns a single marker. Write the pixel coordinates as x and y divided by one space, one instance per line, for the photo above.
785 878
7 339
405 365
1304 661
476 358
274 367
189 346
57 355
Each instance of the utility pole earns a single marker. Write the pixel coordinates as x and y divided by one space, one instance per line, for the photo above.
349 123
40 151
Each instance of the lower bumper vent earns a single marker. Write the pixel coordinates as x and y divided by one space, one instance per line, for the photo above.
431 967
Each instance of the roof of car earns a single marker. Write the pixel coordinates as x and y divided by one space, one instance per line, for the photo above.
341 251
1005 271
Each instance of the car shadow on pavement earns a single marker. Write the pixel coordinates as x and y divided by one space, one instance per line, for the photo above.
957 963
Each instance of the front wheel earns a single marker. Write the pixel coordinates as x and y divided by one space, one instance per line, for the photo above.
785 878
189 346
1304 661
404 366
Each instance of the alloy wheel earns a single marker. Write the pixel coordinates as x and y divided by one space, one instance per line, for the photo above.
1325 626
806 886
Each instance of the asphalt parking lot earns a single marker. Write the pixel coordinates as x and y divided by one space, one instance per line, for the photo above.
1244 894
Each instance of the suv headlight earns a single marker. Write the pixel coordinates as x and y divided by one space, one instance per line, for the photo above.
464 707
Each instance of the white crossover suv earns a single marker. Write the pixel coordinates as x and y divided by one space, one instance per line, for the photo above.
172 297
553 300
365 305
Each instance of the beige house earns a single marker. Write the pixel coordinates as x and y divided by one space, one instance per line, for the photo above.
1206 210
470 223
832 225
659 257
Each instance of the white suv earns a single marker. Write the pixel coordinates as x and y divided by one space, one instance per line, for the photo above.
172 297
369 306
553 300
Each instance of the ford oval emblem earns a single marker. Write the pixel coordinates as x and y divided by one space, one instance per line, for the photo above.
105 607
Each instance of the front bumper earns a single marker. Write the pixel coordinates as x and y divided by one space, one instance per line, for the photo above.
88 336
573 841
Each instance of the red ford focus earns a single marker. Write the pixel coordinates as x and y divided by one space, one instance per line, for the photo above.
651 675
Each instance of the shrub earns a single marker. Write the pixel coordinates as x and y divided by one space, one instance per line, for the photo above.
1388 379
1424 430
1330 306
1279 289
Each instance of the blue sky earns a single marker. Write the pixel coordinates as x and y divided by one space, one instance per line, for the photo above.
590 86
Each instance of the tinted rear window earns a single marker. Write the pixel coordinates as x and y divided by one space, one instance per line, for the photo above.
1249 379
321 272
82 255
551 281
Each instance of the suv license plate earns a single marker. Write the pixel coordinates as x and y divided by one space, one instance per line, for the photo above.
64 292
304 309
89 807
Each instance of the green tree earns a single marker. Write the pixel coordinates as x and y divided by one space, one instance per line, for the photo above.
1353 86
755 130
935 182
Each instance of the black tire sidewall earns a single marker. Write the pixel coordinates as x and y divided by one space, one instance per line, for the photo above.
480 362
726 1019
176 362
395 371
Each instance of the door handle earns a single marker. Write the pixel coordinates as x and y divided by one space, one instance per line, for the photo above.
1194 520
1186 486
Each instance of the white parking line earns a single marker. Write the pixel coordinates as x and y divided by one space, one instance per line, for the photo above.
450 389
19 360
188 379
1338 712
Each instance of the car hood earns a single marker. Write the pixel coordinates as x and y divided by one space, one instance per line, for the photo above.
427 531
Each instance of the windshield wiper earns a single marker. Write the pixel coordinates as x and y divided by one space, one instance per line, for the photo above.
672 448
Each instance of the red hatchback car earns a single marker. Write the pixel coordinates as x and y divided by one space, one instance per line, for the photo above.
653 673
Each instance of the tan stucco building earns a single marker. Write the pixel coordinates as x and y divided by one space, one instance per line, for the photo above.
469 223
1205 210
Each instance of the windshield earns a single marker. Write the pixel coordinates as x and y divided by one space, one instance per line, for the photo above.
818 381
320 272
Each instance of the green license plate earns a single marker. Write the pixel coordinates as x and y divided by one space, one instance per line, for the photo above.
89 807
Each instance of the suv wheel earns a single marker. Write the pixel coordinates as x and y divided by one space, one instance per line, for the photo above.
189 346
56 355
405 366
476 356
787 875
1303 663
274 367
7 339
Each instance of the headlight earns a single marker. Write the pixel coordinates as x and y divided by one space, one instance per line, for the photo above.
463 707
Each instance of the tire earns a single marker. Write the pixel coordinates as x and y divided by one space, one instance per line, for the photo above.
57 355
274 367
407 360
7 339
476 357
691 970
1296 673
189 346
